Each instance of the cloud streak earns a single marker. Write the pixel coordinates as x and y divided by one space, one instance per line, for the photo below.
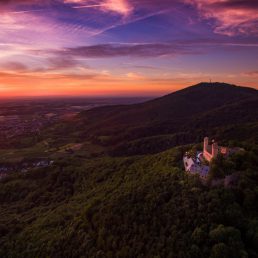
231 17
72 42
141 50
121 7
130 50
253 74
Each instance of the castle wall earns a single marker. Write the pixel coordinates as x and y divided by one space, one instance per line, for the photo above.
212 151
207 149
208 156
215 150
224 150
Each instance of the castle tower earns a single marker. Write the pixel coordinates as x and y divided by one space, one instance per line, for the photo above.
205 144
214 150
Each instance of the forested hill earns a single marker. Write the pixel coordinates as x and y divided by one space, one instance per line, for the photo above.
100 200
184 117
190 101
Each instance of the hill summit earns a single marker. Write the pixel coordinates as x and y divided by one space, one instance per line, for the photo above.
186 116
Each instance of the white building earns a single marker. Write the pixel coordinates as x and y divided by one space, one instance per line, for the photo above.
194 166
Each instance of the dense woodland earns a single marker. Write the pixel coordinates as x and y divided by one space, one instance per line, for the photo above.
134 199
129 207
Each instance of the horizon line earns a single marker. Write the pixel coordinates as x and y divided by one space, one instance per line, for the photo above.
114 96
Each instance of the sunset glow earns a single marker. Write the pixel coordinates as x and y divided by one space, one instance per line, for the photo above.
125 47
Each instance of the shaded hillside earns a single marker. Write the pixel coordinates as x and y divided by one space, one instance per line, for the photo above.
128 207
184 103
187 112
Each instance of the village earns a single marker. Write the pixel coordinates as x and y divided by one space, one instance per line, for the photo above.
24 166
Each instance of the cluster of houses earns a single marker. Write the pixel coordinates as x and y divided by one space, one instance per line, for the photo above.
198 164
24 166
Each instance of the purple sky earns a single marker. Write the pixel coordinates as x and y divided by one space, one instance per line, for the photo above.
125 47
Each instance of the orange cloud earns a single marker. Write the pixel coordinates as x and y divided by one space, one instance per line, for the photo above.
118 6
95 84
135 76
102 83
253 74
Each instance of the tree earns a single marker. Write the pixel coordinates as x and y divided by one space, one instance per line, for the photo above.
220 250
199 235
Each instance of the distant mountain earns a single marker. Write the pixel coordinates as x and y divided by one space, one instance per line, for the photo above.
183 114
192 100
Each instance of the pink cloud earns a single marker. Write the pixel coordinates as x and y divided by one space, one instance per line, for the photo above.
134 76
20 29
14 66
232 17
253 74
122 7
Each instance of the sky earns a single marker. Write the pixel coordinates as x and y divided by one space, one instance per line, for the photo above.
125 47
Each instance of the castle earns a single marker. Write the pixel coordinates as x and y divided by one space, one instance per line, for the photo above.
196 164
212 151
